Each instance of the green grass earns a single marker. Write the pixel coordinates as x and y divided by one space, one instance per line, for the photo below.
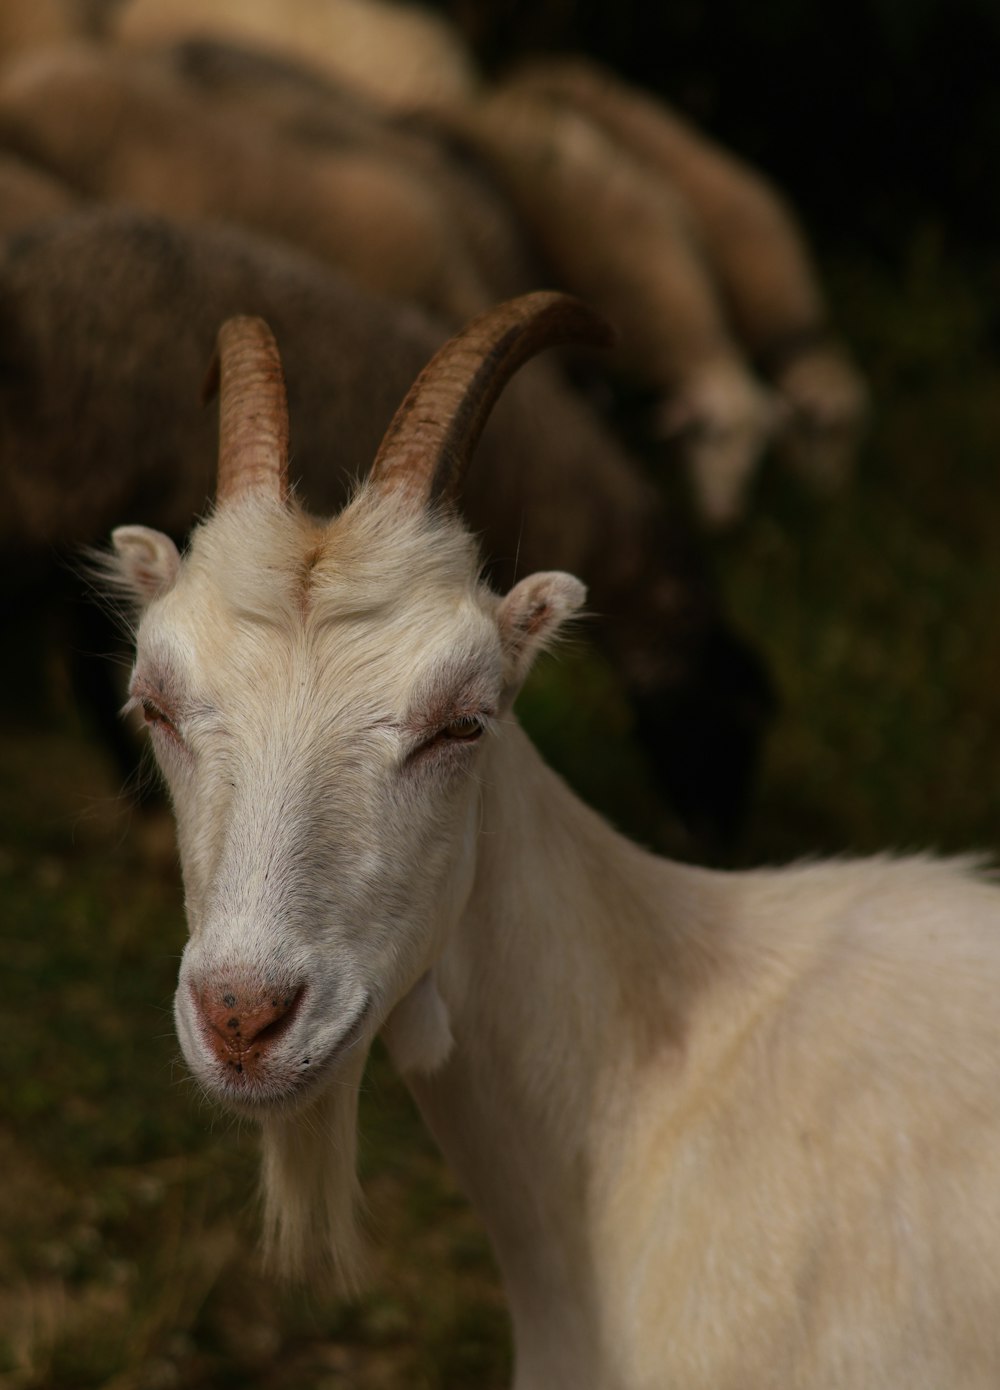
127 1205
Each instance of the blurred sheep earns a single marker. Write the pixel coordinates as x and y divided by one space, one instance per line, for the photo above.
600 190
754 246
306 106
626 244
113 128
400 55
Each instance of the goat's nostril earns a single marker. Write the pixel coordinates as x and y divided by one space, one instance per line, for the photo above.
239 1028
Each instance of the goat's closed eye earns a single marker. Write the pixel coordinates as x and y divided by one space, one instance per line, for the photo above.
465 729
155 717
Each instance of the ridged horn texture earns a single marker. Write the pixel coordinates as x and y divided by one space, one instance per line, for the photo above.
253 411
433 434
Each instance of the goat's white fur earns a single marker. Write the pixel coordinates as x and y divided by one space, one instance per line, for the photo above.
725 1130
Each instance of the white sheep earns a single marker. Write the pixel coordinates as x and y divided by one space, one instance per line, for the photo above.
400 55
756 248
625 242
725 1130
116 128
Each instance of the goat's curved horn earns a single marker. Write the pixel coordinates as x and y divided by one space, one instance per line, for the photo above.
253 410
433 434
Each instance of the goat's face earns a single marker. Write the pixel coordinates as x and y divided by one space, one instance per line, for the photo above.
318 700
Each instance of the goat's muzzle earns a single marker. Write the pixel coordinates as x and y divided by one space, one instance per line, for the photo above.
241 1028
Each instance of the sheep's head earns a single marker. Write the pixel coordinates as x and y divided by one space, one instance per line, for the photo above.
723 421
319 696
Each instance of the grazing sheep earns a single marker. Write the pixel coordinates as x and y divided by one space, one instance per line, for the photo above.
400 55
108 318
755 247
724 1130
723 221
309 107
207 130
114 128
609 232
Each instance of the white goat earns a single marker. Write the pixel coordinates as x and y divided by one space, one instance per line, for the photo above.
725 1130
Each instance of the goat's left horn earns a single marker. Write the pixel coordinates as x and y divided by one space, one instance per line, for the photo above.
433 434
253 410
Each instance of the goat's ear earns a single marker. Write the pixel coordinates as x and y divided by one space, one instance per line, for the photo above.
531 615
147 561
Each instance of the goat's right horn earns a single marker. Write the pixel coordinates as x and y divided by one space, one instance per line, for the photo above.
433 434
253 410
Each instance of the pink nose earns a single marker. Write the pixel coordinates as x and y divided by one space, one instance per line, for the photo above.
241 1026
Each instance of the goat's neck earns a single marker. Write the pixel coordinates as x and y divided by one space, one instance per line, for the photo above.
541 981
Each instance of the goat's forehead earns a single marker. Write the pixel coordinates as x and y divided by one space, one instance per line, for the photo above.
261 589
270 559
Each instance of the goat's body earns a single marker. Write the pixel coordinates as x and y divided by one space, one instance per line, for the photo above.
725 1130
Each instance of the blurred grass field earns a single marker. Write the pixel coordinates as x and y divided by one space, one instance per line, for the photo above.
127 1206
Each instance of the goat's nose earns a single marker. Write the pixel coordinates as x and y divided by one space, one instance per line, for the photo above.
240 1027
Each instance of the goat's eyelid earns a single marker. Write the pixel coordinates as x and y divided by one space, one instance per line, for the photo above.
158 710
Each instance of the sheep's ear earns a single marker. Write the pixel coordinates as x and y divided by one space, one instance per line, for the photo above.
531 615
147 561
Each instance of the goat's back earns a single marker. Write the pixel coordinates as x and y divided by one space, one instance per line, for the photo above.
830 1213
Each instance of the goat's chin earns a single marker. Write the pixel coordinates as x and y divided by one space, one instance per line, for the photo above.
263 1096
